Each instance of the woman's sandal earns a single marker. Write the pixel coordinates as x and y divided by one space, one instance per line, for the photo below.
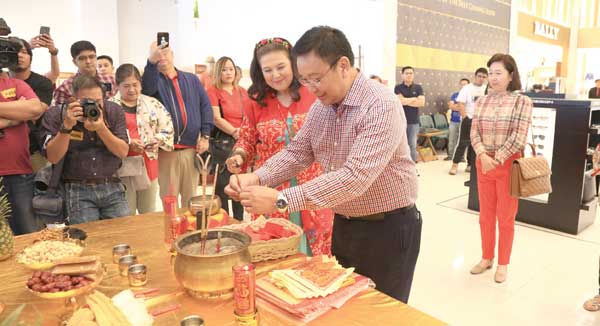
592 304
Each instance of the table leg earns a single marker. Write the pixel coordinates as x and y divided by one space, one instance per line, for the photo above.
432 148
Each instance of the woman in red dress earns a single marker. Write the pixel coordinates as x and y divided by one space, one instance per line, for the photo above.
278 109
229 102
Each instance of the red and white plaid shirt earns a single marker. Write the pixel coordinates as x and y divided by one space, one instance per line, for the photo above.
500 124
65 90
361 145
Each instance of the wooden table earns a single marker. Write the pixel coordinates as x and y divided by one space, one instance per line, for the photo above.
144 233
428 136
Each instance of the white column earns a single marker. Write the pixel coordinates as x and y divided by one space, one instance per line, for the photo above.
390 37
571 82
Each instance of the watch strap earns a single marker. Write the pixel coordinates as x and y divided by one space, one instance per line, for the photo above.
64 130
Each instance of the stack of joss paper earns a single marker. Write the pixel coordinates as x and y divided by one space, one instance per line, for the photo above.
310 289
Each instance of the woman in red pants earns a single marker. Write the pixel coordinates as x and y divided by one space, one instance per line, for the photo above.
498 135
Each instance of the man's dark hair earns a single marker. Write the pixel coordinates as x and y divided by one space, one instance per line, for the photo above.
27 47
406 68
125 71
86 82
511 66
81 46
104 56
465 79
328 43
597 80
481 70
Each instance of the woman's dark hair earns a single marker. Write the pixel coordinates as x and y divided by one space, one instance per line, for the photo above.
125 71
329 43
259 89
511 66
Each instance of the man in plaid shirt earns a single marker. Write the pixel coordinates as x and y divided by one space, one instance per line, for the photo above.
84 57
357 132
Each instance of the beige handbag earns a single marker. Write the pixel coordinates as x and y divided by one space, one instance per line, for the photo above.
530 176
135 168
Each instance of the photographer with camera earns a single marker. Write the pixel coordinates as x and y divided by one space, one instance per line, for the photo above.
84 57
91 135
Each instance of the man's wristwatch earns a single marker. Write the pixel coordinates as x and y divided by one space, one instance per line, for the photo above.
53 53
281 203
64 130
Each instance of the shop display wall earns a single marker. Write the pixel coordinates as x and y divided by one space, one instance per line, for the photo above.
446 40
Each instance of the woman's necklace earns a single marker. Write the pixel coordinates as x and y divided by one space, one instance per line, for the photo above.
285 120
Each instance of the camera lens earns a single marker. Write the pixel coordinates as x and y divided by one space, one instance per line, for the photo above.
90 109
93 113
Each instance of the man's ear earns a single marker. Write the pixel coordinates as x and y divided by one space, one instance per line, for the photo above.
344 62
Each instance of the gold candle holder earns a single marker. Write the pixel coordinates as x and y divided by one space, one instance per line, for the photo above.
125 262
119 251
192 320
247 320
138 275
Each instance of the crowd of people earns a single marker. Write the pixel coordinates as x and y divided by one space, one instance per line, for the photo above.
313 140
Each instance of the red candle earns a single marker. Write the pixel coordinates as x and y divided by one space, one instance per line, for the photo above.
244 292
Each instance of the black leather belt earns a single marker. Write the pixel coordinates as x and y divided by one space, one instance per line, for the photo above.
379 216
94 181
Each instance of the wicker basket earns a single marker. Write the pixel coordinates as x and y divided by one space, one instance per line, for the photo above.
262 250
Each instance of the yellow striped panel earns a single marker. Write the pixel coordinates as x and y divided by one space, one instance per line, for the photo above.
438 59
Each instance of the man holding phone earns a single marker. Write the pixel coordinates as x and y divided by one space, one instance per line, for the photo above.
184 97
44 40
84 57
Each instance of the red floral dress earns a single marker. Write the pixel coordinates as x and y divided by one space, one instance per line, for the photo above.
264 132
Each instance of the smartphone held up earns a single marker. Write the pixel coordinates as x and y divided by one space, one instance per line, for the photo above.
44 30
162 39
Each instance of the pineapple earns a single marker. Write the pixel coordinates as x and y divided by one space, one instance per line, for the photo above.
6 235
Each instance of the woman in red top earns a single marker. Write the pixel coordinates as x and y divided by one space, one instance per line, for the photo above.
229 102
280 105
149 126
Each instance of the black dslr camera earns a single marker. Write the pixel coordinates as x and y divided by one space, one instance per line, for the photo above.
9 51
91 110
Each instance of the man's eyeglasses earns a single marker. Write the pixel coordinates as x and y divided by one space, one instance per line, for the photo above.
86 58
541 137
316 82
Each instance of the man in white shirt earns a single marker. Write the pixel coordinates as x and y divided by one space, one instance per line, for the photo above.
466 103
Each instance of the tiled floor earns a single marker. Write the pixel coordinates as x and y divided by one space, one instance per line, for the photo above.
550 274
